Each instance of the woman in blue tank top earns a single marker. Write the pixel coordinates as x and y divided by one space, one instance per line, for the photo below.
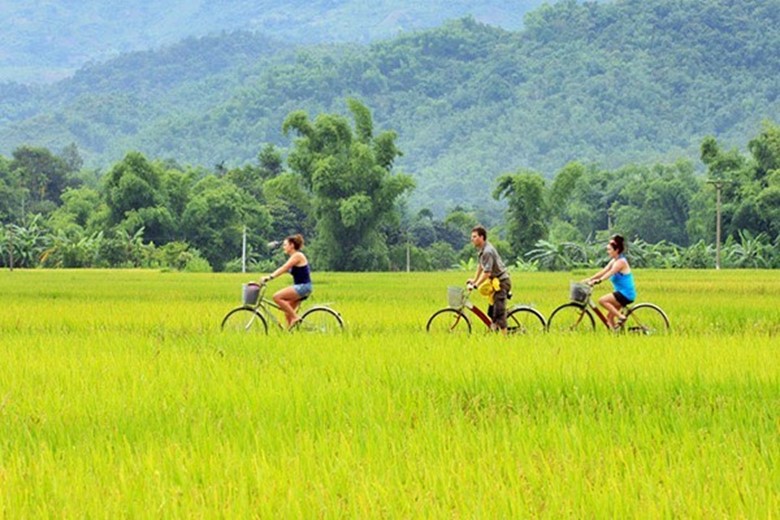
619 273
298 266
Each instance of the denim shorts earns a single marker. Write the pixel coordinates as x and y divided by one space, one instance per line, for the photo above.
303 289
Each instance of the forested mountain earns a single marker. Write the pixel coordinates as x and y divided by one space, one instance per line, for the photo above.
610 83
46 41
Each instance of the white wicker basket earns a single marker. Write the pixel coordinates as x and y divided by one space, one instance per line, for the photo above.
456 296
580 292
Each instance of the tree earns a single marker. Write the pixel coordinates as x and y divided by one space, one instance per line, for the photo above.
584 198
750 251
349 172
443 256
176 186
456 228
765 177
136 198
558 256
289 204
725 167
422 231
765 149
124 249
42 175
655 202
214 220
80 206
527 210
10 193
270 162
70 154
28 240
73 248
563 186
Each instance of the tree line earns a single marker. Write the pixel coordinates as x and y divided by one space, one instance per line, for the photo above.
339 187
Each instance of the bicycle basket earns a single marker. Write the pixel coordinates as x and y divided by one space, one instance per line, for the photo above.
580 292
456 296
250 292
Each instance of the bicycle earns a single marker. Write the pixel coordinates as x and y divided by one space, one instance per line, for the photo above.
521 319
647 319
255 314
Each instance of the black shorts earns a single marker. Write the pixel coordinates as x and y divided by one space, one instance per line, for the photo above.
622 300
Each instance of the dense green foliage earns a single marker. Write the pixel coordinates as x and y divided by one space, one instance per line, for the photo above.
151 213
614 83
349 175
339 189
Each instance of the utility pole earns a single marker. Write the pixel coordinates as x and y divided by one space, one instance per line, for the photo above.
718 187
243 251
10 248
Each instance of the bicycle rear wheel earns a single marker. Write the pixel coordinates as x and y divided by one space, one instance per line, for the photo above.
646 319
571 317
320 320
448 321
525 320
244 320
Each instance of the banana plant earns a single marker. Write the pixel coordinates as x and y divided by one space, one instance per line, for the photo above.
751 251
27 242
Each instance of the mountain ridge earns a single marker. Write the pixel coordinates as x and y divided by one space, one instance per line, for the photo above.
43 43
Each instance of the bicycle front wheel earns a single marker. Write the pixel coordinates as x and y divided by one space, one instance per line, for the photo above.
320 320
448 321
571 317
646 319
525 320
244 320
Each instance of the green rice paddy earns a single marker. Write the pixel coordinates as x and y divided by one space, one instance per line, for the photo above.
119 397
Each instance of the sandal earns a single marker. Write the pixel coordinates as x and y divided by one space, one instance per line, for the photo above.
293 324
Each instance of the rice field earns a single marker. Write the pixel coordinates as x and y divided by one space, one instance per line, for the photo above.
119 397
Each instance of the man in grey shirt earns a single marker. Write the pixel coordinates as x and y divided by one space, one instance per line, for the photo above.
491 266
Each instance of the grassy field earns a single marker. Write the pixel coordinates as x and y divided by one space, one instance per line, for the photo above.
119 397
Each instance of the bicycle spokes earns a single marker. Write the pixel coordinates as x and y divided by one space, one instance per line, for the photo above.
646 319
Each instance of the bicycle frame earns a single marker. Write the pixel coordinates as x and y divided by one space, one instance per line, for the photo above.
597 310
645 318
264 306
521 319
479 313
255 316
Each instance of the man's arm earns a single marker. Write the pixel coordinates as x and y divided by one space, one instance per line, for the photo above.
477 276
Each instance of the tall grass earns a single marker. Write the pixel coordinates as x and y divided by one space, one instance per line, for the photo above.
119 397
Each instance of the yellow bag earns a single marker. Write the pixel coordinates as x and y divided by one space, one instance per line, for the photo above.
488 288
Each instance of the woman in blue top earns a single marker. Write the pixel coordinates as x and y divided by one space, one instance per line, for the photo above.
298 266
619 273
